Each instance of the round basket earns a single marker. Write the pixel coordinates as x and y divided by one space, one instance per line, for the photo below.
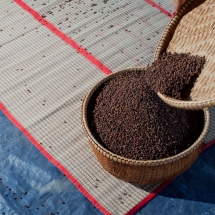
141 171
192 31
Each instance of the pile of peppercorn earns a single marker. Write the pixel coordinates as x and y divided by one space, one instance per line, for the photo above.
128 118
173 74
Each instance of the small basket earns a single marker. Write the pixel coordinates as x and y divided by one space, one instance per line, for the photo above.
141 171
192 31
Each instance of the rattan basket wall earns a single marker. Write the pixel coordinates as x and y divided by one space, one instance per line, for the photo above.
141 172
193 31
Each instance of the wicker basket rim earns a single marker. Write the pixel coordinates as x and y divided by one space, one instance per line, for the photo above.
195 104
128 161
173 21
207 103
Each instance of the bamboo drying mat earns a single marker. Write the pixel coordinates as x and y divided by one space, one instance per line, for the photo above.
44 78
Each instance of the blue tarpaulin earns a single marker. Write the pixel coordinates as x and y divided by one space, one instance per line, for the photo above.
30 184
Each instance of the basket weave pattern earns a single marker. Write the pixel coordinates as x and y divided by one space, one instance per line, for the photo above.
140 171
192 31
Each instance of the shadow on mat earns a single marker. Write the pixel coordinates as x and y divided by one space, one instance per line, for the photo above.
197 183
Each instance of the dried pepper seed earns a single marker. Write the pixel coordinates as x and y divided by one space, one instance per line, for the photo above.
127 117
173 74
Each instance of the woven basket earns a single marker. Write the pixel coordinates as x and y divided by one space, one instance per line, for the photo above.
137 171
192 31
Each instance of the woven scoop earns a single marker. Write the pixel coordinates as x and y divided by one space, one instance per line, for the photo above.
193 31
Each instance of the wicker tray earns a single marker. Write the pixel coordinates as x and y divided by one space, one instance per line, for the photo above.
192 31
141 172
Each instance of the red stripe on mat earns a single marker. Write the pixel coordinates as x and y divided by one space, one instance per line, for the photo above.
163 10
160 188
65 38
149 197
105 70
73 179
52 159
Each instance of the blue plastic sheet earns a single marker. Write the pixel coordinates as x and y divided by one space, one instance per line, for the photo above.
30 184
191 193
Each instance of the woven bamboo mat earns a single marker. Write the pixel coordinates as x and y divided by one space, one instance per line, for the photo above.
52 53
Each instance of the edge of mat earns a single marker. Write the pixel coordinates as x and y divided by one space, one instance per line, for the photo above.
161 187
73 179
105 70
52 159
